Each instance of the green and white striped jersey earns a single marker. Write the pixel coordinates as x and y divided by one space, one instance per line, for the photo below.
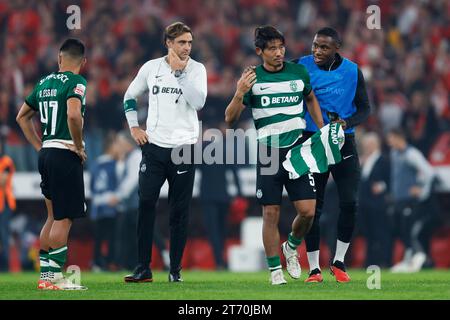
317 153
49 98
277 104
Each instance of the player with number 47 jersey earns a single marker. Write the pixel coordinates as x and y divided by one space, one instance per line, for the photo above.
49 98
59 98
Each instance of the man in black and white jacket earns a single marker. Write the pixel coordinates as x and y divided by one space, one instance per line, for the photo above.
373 201
177 89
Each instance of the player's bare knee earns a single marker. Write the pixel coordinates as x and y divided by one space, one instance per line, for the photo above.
307 213
271 214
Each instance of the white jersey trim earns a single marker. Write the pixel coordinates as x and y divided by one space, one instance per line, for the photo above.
57 143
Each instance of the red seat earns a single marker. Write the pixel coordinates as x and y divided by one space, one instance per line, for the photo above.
201 254
440 249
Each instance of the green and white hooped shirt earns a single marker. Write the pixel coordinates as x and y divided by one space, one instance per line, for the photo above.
276 100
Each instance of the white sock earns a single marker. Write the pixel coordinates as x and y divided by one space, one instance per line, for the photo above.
44 275
408 255
166 258
55 276
313 260
341 250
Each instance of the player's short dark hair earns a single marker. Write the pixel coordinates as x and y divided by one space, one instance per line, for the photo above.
330 32
265 34
175 30
73 47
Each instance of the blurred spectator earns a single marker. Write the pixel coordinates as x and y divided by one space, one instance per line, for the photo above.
390 110
125 198
214 194
25 231
7 206
412 180
373 201
104 183
420 122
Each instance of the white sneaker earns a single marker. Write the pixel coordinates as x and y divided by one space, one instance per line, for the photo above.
417 261
277 277
292 264
66 284
402 267
96 269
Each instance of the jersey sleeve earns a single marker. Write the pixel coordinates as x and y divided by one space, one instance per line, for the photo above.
306 80
31 100
77 88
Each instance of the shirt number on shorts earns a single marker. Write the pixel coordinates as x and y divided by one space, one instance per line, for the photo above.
311 179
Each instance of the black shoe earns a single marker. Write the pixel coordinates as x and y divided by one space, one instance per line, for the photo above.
315 271
140 274
339 264
175 277
314 276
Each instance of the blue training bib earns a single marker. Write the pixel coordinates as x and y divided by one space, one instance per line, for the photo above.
335 90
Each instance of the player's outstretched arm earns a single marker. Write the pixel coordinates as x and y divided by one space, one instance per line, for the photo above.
24 119
236 106
314 109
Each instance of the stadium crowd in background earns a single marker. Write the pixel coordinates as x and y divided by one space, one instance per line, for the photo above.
7 206
405 64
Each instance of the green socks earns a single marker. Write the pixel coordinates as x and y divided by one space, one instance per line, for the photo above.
274 263
293 242
43 263
57 260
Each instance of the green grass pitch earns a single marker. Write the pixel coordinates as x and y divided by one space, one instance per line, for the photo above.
206 285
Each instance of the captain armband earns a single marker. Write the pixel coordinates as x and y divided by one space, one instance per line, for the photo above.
131 113
130 105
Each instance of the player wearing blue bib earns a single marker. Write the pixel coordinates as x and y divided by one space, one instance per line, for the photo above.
339 87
